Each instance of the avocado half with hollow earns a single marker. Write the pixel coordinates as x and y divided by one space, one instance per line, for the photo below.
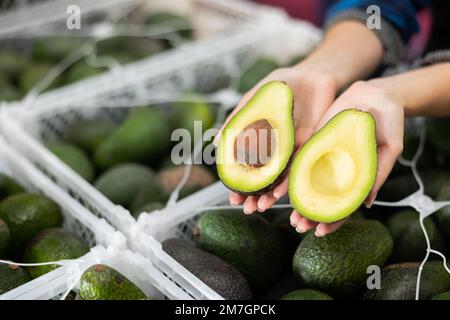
335 170
257 143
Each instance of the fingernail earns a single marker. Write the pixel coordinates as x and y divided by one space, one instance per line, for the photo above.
370 202
373 199
259 207
246 212
318 233
292 223
299 230
276 195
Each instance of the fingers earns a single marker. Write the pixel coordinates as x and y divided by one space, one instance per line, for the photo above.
281 189
236 199
266 201
387 156
250 204
300 223
241 104
327 228
295 219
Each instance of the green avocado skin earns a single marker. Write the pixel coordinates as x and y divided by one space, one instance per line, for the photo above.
409 241
437 183
101 282
88 134
33 75
249 243
12 276
170 20
190 108
152 191
8 187
5 238
52 245
122 183
75 158
306 294
398 282
12 64
291 238
143 137
26 215
255 73
442 296
149 207
337 263
81 70
55 49
215 272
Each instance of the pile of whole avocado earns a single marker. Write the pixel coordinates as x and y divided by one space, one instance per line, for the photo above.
261 256
19 73
102 282
376 254
30 232
130 162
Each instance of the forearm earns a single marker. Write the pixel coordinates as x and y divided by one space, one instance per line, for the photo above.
422 92
348 52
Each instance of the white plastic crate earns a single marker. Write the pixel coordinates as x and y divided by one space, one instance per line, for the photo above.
50 14
196 67
211 19
77 218
212 16
95 231
179 220
26 124
56 284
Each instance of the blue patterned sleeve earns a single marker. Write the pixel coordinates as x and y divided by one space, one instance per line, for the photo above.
398 22
400 13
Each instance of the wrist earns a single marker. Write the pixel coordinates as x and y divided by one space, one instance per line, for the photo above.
348 52
318 72
391 90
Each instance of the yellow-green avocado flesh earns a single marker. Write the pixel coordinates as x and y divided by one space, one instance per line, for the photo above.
272 104
335 170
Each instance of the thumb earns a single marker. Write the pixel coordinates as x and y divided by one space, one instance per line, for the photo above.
241 104
387 156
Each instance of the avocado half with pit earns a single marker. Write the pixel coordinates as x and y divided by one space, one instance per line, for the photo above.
257 143
335 170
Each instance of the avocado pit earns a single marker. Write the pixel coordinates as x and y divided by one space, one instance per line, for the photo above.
255 145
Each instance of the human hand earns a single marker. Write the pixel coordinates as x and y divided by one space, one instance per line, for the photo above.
388 111
313 91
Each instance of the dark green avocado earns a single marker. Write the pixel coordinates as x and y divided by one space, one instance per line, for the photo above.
101 282
52 245
215 272
11 277
249 243
26 215
337 263
398 282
